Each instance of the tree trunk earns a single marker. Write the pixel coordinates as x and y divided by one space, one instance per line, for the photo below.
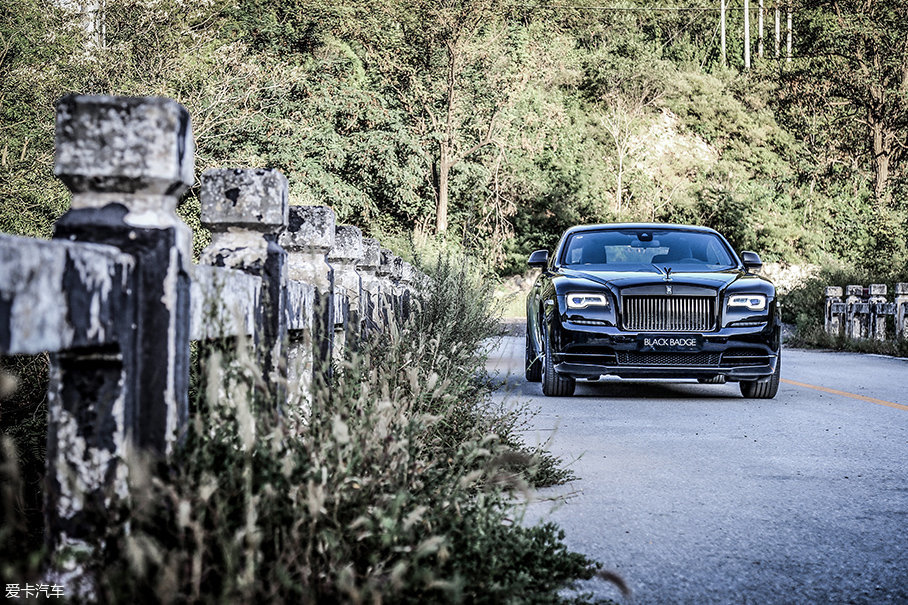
441 207
620 180
882 152
446 145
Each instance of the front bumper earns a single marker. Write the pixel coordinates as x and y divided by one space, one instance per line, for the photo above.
737 353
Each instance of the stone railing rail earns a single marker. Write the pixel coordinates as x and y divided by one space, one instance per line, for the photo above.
862 312
116 298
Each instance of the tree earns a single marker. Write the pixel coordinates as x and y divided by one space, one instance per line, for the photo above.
430 56
627 81
623 113
855 57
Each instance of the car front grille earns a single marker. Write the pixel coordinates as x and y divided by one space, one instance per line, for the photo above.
669 313
636 358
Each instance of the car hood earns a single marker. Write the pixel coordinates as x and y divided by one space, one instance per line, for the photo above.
650 275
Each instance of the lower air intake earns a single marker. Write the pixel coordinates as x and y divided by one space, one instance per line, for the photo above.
635 358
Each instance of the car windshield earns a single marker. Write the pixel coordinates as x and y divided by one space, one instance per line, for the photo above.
634 249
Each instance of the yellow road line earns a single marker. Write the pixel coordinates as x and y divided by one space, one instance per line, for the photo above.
897 406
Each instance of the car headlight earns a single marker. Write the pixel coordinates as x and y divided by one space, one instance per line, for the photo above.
582 300
753 302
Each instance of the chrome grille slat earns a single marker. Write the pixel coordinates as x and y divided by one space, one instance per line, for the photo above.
669 313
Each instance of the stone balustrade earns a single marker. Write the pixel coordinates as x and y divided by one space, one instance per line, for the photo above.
863 312
117 300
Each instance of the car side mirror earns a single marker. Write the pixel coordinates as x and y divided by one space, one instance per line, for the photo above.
751 260
540 258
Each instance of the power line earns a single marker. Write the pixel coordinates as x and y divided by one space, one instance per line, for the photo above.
625 8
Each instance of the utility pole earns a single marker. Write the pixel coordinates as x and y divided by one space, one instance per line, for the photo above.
778 28
760 27
788 55
722 28
746 34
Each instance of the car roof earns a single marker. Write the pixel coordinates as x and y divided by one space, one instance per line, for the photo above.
653 226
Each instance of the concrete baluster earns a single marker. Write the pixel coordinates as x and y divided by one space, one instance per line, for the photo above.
855 314
308 238
126 161
385 276
876 320
246 210
397 291
372 285
391 270
901 310
408 288
834 311
344 256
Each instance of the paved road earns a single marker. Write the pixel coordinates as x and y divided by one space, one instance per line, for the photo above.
696 495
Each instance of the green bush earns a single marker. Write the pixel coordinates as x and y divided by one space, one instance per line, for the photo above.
23 437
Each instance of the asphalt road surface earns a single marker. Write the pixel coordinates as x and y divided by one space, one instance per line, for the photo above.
696 495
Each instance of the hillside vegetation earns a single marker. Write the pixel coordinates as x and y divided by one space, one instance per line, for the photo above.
498 124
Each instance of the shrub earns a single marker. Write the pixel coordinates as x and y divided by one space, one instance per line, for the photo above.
23 437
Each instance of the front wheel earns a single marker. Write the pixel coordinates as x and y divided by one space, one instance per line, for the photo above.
554 385
765 388
532 361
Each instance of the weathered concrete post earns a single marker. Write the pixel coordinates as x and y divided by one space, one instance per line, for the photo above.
385 273
392 271
877 317
344 256
855 323
246 210
397 288
834 311
126 161
308 238
901 310
372 285
407 286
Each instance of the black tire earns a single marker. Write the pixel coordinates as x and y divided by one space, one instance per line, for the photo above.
765 388
533 363
712 380
554 385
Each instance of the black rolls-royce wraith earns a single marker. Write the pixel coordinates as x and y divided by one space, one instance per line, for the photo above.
651 301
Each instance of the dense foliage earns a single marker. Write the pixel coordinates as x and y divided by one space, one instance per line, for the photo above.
498 123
